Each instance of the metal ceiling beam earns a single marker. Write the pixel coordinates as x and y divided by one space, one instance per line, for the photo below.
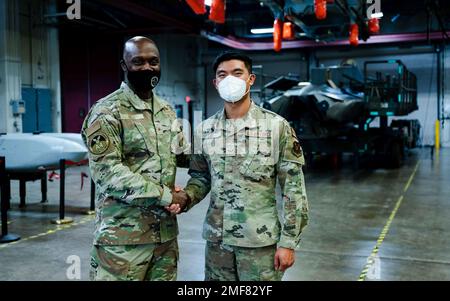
377 39
147 13
111 15
143 30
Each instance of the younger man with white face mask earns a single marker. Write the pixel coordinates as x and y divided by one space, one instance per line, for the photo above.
239 154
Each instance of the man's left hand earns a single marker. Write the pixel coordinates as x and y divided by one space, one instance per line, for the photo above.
284 259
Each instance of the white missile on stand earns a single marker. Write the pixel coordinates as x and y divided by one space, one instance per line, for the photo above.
28 153
67 136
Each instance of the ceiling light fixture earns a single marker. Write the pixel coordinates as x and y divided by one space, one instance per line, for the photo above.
261 30
377 15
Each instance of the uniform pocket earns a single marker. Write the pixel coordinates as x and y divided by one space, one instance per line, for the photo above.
260 163
109 263
258 168
217 164
137 137
271 275
213 144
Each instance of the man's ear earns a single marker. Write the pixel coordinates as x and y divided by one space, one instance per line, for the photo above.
123 66
252 79
215 82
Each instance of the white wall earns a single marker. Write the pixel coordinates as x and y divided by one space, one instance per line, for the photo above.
29 57
446 129
10 64
35 44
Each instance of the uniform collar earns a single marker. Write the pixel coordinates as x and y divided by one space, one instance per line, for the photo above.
249 121
138 103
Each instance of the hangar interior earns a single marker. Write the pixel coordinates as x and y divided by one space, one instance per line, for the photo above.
369 220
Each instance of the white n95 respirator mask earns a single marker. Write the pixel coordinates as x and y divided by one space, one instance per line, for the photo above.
232 89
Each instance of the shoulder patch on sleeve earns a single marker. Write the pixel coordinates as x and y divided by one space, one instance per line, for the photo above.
98 143
297 149
293 151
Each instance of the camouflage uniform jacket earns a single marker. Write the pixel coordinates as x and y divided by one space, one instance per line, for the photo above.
239 162
132 159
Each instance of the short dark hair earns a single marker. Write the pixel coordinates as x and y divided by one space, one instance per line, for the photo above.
233 55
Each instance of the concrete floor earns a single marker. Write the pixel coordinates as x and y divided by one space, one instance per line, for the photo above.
348 213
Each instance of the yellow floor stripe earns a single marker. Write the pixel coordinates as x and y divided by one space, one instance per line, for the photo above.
384 232
51 231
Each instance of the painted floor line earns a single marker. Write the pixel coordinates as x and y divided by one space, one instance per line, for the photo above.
384 232
48 232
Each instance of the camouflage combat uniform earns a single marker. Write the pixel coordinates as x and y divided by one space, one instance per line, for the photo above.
239 161
133 147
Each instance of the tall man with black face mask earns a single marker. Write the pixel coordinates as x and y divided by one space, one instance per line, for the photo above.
135 145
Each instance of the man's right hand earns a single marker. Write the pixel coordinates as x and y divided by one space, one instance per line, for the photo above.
180 200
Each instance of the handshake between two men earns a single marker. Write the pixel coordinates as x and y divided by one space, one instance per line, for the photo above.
180 200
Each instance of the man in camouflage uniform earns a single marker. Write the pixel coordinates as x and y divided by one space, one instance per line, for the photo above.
133 140
239 154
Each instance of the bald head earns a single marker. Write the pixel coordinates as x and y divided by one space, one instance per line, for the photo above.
134 45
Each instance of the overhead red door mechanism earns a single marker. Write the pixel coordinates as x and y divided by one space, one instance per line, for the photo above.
198 6
217 13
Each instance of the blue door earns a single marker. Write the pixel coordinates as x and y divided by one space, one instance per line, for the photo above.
44 110
38 106
29 119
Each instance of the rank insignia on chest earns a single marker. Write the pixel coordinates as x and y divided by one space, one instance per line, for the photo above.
99 144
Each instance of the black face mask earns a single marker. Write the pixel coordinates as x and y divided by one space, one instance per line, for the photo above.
145 80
